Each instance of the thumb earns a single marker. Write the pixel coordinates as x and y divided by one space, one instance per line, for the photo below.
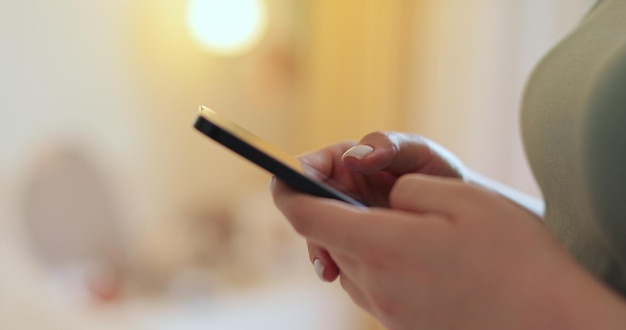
399 154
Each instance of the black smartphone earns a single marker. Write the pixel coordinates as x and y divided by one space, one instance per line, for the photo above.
284 166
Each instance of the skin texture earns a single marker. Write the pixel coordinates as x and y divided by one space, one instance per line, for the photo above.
437 251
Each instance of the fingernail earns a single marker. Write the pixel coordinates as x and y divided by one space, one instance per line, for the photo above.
358 151
319 269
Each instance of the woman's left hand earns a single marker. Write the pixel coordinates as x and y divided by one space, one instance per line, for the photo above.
445 255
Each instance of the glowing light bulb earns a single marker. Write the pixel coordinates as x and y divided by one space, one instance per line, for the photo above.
227 27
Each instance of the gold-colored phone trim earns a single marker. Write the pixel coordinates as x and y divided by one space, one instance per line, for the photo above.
247 136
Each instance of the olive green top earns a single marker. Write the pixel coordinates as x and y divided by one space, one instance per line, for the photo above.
574 129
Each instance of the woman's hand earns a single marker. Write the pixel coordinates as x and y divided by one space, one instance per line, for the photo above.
369 170
448 255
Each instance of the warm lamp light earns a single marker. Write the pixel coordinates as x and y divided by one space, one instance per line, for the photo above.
227 27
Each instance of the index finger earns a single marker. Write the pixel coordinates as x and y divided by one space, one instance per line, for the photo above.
400 153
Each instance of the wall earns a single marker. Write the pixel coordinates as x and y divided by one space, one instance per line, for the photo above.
357 70
118 83
472 61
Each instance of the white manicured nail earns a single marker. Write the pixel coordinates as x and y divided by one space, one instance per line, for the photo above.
358 151
319 269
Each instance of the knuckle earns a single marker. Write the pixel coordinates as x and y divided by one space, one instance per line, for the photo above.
300 225
474 194
403 191
298 219
382 139
377 135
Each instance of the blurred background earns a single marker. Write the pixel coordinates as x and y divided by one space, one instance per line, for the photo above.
115 213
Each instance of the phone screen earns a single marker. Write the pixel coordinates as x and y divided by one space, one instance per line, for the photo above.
268 156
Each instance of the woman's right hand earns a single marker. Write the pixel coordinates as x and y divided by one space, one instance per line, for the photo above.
371 167
379 159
